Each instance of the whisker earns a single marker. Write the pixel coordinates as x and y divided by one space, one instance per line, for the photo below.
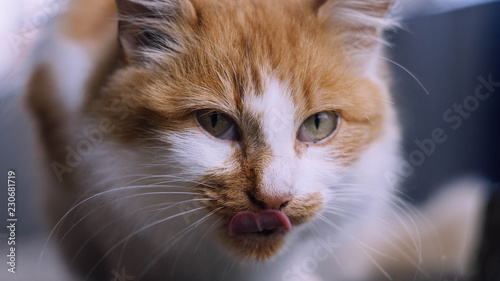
95 233
407 71
135 233
175 238
351 236
119 199
86 200
206 233
404 215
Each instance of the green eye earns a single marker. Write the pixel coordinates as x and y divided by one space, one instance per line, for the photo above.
217 124
318 127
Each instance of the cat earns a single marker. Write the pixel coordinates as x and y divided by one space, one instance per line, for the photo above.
228 140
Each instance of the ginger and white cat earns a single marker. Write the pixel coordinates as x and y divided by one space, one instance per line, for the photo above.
228 140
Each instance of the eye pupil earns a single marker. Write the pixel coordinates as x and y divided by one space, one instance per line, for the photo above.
214 118
316 121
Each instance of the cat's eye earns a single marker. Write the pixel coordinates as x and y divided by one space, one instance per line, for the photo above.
318 127
217 124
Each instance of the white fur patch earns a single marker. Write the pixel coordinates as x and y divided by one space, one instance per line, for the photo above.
275 111
199 153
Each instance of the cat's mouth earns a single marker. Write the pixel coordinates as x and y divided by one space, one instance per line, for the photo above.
256 235
261 223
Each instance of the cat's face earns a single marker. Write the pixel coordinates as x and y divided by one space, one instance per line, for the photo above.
262 103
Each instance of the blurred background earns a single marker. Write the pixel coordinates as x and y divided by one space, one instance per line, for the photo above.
445 50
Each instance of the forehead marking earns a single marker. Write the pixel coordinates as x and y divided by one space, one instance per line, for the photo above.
274 109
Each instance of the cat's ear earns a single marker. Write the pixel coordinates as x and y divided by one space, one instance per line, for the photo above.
358 23
148 28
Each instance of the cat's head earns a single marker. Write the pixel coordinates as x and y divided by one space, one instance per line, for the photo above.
276 109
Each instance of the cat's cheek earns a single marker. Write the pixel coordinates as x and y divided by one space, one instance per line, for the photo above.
201 154
318 168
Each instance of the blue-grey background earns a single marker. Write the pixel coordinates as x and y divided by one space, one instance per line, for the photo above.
447 53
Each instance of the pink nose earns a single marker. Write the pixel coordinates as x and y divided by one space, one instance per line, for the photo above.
276 202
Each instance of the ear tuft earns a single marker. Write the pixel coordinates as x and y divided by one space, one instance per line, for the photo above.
359 22
150 28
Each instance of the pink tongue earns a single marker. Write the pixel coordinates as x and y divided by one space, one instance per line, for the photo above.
250 222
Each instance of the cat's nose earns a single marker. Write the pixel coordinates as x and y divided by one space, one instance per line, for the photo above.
275 201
